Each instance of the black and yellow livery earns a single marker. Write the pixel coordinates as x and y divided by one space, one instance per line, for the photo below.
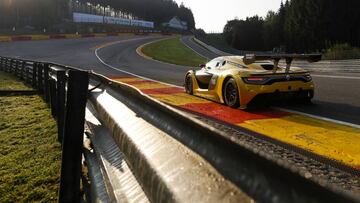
236 80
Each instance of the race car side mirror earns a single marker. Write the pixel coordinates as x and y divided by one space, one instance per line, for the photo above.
202 66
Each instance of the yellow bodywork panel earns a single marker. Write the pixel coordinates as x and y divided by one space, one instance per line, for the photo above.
329 139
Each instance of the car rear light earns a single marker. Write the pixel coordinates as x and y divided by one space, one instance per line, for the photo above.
255 80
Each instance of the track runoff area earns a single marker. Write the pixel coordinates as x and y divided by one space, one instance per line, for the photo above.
325 137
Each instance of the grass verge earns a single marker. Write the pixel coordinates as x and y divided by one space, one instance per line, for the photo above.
10 82
30 156
173 51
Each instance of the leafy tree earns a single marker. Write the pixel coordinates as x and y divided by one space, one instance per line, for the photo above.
300 26
245 34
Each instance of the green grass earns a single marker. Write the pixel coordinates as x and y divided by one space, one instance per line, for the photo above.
10 82
173 51
30 155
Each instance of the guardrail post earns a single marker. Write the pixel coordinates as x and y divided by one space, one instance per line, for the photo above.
34 69
53 97
27 71
46 83
12 66
73 136
40 78
1 63
5 65
21 70
60 84
17 68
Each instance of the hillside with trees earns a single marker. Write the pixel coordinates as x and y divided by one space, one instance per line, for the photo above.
298 26
46 13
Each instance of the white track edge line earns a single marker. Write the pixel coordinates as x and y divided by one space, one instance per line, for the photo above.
126 72
320 117
334 76
181 39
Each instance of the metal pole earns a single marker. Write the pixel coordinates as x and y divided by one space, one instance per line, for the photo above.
73 136
60 83
34 69
53 97
46 83
40 78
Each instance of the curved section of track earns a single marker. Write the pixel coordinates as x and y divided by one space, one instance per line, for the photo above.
140 66
118 58
123 56
335 96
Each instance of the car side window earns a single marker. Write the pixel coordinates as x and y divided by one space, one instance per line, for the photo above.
235 64
220 64
211 65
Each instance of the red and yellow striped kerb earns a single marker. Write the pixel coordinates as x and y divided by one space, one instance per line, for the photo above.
332 140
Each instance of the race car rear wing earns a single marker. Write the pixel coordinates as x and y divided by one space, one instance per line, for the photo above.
252 58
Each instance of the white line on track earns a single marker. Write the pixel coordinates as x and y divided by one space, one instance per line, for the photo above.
336 76
126 72
181 39
320 117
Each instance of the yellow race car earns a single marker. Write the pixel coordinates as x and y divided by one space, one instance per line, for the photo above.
239 81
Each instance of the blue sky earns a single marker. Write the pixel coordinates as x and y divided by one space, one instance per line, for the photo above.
212 15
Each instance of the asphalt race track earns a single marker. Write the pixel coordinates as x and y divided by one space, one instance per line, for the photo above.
336 97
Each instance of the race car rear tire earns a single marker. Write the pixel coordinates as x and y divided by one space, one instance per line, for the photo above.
231 94
189 84
308 97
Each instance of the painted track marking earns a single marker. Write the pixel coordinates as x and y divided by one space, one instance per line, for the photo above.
126 72
290 128
320 117
337 77
207 58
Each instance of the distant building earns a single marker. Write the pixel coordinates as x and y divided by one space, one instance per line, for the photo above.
176 23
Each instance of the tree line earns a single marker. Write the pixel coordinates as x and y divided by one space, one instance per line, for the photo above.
45 13
298 26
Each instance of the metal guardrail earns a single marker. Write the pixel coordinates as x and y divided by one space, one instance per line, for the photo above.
65 90
255 172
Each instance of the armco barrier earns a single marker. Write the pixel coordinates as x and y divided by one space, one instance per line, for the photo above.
72 36
66 92
149 134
